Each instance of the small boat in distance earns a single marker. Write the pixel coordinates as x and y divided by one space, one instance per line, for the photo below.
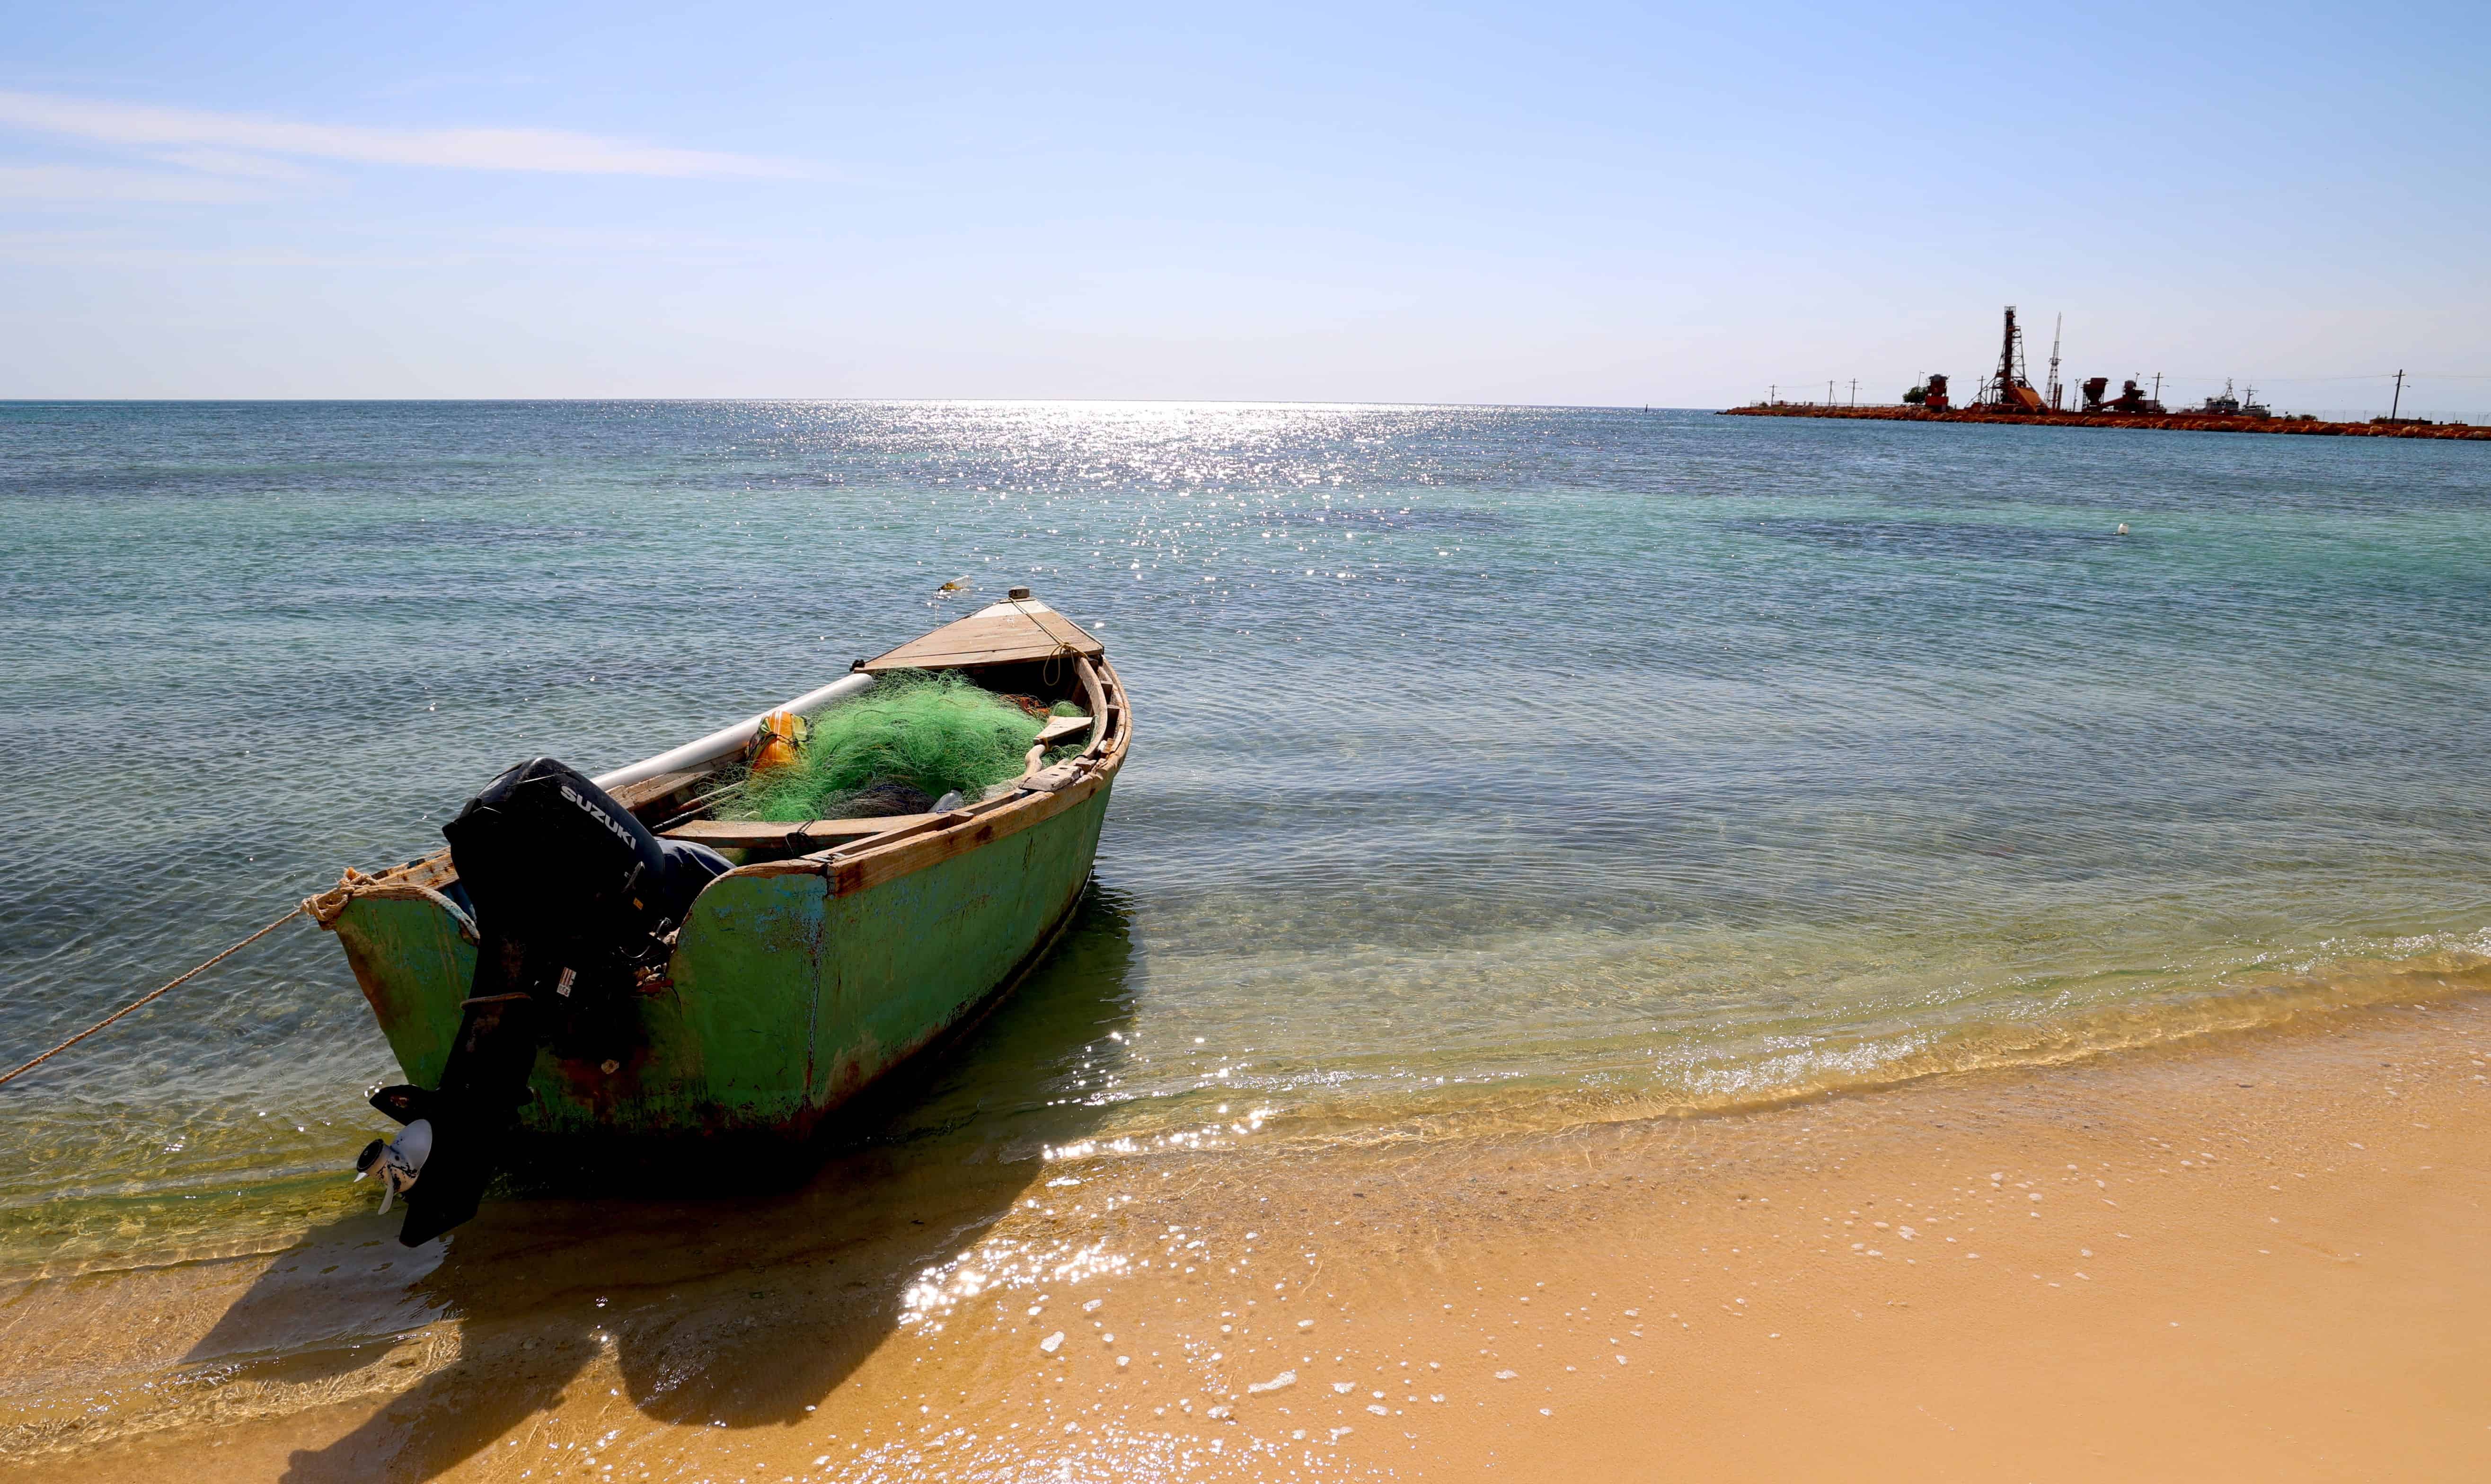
764 994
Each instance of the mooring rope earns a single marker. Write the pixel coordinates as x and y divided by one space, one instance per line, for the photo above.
291 912
1047 673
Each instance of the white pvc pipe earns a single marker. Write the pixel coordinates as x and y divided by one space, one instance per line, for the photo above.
719 743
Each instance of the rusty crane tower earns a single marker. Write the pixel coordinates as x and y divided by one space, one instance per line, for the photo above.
2010 386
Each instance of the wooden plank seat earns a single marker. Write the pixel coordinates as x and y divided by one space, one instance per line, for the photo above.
1058 728
768 834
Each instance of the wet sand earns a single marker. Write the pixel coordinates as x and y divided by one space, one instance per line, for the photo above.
2263 1255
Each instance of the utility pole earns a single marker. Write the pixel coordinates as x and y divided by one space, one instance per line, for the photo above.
2059 324
1829 393
1773 394
2399 404
1855 390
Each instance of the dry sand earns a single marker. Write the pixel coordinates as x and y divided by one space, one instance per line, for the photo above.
2256 1258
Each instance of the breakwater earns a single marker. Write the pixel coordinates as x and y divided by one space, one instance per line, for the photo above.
2174 422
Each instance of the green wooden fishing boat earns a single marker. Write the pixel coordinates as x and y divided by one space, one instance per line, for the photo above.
833 953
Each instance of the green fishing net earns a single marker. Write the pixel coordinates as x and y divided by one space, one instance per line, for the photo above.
934 734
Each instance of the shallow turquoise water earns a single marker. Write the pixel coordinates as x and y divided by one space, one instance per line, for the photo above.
1494 766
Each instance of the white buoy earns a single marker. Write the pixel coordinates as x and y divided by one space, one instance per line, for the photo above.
2122 528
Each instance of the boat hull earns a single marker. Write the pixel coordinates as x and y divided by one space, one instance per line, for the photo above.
789 990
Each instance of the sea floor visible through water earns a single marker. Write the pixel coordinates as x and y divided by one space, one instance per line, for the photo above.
1501 775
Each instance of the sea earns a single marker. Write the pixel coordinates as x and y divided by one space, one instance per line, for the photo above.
1495 769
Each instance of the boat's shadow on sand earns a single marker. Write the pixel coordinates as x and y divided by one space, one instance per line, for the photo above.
735 1312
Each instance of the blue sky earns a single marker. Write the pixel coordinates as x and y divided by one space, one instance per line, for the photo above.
1596 204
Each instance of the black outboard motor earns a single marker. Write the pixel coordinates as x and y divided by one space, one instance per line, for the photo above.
573 898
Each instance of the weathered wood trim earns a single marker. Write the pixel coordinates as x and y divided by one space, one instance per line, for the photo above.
853 873
636 797
1120 709
762 834
1095 693
433 871
1058 728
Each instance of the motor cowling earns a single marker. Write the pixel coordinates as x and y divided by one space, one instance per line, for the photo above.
551 861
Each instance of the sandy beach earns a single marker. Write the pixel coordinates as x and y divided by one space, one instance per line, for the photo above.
2252 1256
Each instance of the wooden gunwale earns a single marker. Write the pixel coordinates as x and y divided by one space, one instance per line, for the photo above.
1096 694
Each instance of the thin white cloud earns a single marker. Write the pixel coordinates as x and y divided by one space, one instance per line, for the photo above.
110 183
235 162
88 248
545 150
